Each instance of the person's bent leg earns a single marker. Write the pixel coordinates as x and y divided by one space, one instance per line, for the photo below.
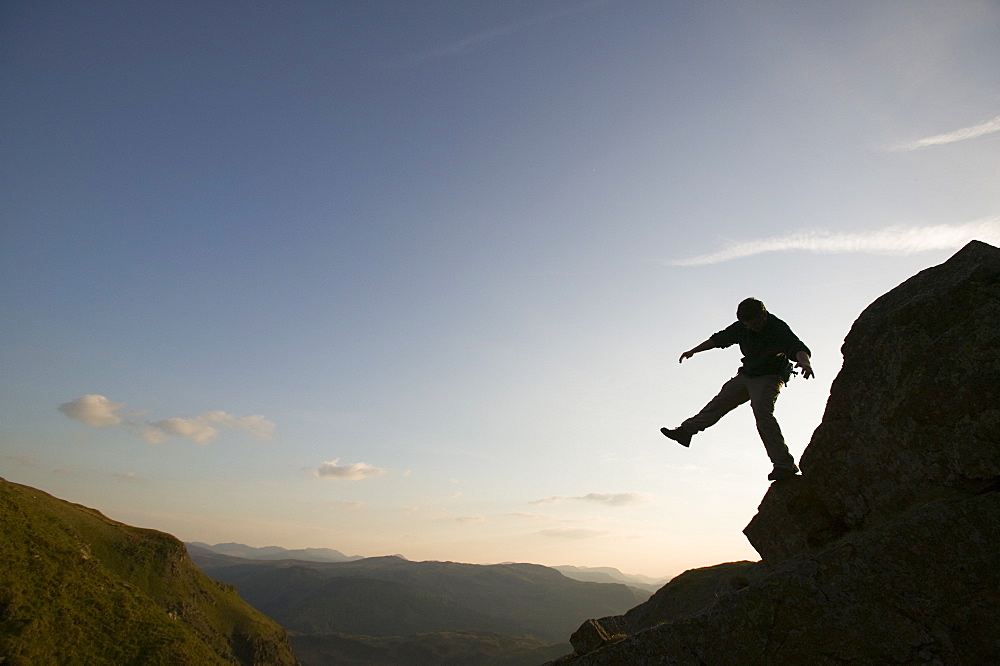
763 395
732 394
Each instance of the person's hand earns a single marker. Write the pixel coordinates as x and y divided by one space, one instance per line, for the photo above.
688 354
806 369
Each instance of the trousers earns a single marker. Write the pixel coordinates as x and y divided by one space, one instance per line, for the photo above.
762 393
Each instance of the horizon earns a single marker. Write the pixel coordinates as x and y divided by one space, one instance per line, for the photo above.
415 279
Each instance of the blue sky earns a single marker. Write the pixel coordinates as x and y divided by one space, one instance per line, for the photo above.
414 277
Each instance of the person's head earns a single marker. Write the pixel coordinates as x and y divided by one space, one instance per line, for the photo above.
752 314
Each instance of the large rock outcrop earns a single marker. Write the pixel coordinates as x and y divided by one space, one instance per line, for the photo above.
886 549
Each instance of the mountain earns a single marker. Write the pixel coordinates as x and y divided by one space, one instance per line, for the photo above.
611 575
79 588
390 596
887 548
275 553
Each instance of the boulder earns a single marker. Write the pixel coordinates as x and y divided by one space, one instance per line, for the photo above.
914 414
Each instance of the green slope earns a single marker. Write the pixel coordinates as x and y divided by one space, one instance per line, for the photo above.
77 587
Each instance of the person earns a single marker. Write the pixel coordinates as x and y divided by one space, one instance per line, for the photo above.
767 344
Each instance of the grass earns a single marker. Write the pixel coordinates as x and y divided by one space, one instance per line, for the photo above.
77 587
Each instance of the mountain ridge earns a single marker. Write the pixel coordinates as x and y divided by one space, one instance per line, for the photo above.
416 597
275 552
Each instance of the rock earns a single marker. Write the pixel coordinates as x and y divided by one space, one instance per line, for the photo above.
913 415
887 549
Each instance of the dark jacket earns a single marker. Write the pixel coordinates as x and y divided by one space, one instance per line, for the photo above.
765 353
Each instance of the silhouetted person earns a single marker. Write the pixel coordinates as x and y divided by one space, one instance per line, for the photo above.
767 344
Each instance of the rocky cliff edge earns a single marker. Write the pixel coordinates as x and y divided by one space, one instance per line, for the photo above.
885 550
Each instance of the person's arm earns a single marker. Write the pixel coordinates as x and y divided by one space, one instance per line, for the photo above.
706 345
802 361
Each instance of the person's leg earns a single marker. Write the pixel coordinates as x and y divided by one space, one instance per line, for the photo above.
732 394
763 394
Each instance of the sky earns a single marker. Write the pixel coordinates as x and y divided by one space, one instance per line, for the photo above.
414 278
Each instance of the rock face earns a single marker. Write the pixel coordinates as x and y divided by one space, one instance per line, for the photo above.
886 549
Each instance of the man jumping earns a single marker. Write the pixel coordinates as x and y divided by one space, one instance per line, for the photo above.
767 344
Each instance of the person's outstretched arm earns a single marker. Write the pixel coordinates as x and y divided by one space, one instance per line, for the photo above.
706 345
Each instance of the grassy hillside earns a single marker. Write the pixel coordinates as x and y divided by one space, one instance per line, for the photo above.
77 587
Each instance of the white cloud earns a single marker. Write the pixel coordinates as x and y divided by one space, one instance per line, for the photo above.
94 410
97 410
256 425
354 472
982 129
197 430
611 499
894 240
202 429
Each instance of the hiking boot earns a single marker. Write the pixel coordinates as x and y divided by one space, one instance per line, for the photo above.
782 473
679 435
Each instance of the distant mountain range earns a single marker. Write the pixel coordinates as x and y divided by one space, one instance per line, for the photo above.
611 575
586 574
329 607
275 553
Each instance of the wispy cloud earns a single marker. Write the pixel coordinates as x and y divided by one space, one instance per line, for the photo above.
470 520
354 472
572 533
611 499
479 39
982 129
894 240
98 411
202 429
26 461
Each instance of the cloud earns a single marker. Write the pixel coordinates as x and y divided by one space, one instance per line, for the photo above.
479 39
611 499
571 533
982 129
197 430
94 410
26 461
354 472
894 240
466 520
129 477
202 430
97 410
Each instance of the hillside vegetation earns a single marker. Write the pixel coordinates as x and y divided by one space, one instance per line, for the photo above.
79 588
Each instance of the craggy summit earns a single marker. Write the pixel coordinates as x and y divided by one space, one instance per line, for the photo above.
887 548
